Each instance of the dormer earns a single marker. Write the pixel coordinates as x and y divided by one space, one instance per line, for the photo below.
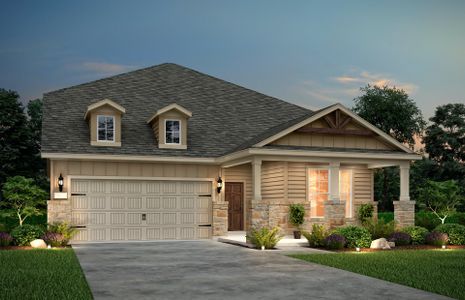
104 119
169 125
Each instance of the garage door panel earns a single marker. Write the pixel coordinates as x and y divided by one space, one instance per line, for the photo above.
113 210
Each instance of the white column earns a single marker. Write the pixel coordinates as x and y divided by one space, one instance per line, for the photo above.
404 181
257 179
334 181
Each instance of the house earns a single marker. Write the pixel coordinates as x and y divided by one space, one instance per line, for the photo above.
167 152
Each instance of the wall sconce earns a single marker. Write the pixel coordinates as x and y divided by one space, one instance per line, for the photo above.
60 183
219 184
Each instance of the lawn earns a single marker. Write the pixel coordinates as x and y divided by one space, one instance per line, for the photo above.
41 274
437 271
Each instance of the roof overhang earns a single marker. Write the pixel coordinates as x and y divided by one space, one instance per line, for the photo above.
104 102
328 110
166 109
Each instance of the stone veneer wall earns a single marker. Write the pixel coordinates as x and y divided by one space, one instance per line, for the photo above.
58 211
220 219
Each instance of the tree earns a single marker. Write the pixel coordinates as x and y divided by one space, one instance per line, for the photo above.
22 198
440 197
14 136
393 111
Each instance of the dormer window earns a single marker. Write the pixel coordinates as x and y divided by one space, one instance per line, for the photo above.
105 128
173 132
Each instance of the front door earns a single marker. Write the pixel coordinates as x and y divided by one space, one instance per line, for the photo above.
235 197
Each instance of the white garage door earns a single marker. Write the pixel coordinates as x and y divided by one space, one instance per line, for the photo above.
140 210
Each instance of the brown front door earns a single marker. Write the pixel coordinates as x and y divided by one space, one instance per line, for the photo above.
235 197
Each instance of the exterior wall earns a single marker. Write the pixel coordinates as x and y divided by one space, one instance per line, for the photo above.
242 173
332 141
109 111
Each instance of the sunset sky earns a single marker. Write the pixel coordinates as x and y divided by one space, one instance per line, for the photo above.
312 53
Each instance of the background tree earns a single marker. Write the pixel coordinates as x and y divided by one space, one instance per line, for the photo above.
393 111
22 198
441 198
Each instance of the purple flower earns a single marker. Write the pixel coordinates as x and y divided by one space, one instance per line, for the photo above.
54 239
335 241
400 238
437 238
5 239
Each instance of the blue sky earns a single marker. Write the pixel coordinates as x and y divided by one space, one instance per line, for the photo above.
312 53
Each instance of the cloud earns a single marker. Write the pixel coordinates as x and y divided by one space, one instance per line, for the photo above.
365 77
103 68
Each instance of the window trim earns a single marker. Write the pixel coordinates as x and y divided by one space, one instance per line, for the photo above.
180 132
351 194
114 129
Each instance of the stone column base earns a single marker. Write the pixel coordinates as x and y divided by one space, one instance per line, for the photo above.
335 213
58 211
220 219
404 213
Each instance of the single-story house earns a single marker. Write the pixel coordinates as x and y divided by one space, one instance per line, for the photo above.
167 152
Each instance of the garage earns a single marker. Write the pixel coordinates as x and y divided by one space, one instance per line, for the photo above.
140 210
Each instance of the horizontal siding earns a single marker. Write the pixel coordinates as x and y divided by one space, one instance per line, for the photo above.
363 185
273 181
242 173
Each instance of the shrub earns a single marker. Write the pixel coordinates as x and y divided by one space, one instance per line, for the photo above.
417 234
400 238
455 232
296 214
365 212
5 239
335 241
317 237
355 236
426 220
23 235
387 216
53 239
380 228
65 229
436 238
265 237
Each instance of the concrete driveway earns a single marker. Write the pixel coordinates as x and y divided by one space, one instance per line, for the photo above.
212 270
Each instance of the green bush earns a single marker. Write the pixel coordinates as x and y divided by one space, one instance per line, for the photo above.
296 214
23 235
10 223
436 238
380 228
417 233
365 212
400 238
317 237
430 221
355 236
265 237
64 229
335 242
456 233
387 216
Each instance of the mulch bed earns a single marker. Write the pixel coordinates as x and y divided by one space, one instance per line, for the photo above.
407 247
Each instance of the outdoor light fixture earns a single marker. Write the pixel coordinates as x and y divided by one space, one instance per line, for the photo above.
357 249
60 183
219 184
443 246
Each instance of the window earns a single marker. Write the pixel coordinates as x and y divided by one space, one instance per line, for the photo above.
105 128
172 132
319 190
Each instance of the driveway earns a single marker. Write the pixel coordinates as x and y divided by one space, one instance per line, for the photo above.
212 270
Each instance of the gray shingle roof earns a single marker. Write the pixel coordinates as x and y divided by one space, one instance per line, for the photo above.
226 117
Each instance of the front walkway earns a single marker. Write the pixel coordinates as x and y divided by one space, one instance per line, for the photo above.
212 270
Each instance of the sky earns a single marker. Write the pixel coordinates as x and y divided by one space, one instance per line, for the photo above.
311 53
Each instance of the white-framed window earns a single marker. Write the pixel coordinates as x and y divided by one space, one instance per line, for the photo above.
318 190
105 128
173 132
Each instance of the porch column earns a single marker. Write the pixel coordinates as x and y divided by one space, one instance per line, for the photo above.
259 209
334 207
404 209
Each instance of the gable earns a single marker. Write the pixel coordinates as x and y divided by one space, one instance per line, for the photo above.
335 127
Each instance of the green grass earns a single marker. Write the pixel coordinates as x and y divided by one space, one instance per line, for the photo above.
437 271
42 274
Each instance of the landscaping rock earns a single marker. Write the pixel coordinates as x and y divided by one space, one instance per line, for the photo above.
38 244
381 243
392 244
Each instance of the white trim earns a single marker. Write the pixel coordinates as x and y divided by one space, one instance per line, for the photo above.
180 131
351 194
326 111
102 103
121 157
140 178
168 108
114 129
